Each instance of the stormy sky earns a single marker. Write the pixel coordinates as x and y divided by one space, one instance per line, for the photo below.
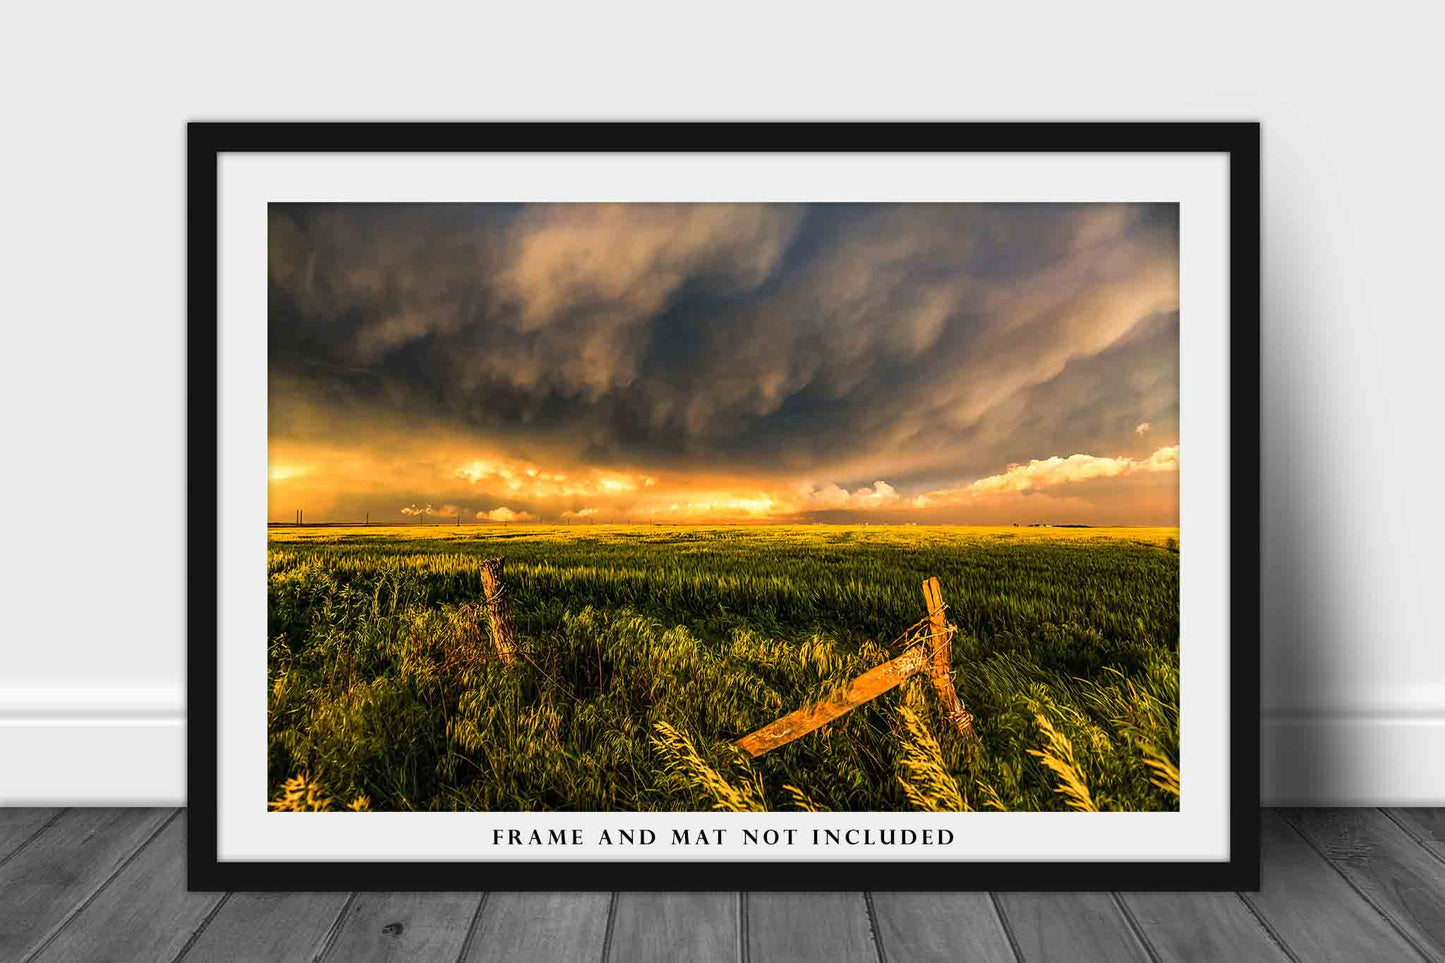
932 363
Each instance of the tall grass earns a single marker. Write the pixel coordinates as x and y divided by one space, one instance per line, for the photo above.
644 652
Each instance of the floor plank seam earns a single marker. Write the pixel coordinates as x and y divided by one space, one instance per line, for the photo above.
744 951
873 930
201 928
1274 935
91 896
1008 930
1381 911
1267 930
334 932
32 837
472 928
1135 928
1414 835
611 924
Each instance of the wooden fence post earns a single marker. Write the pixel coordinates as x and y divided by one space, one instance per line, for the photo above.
499 612
940 644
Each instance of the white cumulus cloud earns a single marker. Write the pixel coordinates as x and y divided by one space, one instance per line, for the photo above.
505 514
1046 472
837 497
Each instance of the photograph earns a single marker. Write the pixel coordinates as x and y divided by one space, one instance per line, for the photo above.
746 507
720 486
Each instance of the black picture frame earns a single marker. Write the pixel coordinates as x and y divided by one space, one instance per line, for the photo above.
207 141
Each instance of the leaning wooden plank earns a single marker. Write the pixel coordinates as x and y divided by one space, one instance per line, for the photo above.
1200 926
940 928
1312 910
269 928
540 927
868 686
1391 870
1069 926
809 928
416 927
144 914
19 824
67 864
661 927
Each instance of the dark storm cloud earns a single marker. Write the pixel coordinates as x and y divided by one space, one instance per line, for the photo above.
831 343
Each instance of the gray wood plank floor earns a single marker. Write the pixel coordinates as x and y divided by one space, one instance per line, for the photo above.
109 884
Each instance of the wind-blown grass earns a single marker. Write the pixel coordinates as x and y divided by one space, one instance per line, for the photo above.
645 651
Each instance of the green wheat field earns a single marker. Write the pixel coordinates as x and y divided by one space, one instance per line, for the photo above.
644 652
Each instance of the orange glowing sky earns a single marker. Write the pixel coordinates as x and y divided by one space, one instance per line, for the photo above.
709 363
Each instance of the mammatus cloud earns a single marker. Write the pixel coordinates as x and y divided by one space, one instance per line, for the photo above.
672 325
505 514
637 253
1142 428
1043 473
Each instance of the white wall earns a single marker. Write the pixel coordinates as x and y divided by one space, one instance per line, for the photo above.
93 315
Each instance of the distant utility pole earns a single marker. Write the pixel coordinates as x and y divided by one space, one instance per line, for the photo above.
368 519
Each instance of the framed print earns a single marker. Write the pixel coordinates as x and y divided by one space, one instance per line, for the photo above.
724 506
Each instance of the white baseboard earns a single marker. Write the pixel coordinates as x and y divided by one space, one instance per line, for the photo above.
1353 759
127 746
123 746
